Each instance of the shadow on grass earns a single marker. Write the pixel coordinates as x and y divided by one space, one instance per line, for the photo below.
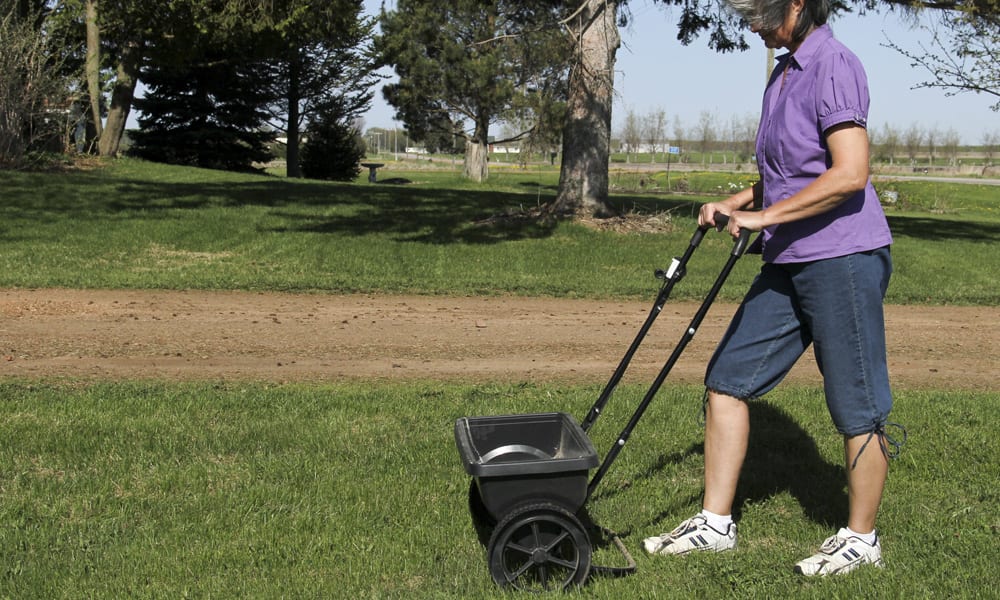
432 213
781 457
534 185
417 213
941 229
428 215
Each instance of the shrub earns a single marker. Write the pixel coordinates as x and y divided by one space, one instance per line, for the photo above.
333 150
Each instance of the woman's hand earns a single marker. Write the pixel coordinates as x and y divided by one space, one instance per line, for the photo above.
729 206
743 219
706 215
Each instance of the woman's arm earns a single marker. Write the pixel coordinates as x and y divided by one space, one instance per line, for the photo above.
848 174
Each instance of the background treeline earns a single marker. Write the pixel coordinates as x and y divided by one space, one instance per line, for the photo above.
713 141
222 81
233 84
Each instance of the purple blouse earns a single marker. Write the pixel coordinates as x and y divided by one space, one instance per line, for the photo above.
825 85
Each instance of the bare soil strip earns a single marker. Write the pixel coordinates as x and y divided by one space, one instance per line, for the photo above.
195 335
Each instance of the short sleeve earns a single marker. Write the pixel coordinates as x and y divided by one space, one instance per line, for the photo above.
842 94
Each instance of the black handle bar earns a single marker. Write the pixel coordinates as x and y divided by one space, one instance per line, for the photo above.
742 242
671 277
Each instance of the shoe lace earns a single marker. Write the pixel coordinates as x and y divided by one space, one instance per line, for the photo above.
684 527
831 544
890 446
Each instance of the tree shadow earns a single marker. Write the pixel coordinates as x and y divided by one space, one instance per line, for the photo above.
535 185
415 213
940 229
432 216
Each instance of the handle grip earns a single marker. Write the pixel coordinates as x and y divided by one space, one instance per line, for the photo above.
742 241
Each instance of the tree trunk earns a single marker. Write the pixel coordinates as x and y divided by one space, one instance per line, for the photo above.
93 65
476 165
292 167
583 178
122 94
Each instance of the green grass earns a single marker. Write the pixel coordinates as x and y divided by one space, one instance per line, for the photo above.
141 225
247 490
146 490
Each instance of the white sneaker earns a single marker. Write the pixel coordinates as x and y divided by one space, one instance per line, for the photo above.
841 553
691 535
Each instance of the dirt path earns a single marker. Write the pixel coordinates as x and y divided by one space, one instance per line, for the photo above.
285 337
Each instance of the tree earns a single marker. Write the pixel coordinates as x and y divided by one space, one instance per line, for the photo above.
964 51
34 95
208 113
931 138
889 142
631 134
654 126
706 134
333 150
583 176
325 67
747 136
471 63
305 40
593 27
679 133
950 142
591 24
912 138
119 37
444 137
991 142
117 33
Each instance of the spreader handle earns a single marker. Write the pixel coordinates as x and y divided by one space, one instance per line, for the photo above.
742 242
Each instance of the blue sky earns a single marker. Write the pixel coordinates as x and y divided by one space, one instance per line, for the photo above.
654 71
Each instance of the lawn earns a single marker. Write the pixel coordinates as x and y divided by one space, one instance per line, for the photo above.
141 225
153 489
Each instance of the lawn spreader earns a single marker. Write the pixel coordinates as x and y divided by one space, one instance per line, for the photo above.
530 471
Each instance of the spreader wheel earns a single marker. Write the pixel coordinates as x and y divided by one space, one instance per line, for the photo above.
539 547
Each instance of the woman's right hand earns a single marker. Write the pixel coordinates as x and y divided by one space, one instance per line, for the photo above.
740 200
706 215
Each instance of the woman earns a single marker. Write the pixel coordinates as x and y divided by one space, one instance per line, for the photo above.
825 244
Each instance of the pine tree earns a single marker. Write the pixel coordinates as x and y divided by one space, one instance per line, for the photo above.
333 148
206 114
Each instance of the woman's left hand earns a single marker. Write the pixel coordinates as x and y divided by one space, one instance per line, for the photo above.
744 219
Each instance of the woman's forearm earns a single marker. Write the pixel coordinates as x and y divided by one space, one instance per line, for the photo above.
825 193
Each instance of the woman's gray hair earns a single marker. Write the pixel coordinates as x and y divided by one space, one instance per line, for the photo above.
768 15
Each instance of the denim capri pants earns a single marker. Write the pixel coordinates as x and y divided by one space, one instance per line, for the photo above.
835 305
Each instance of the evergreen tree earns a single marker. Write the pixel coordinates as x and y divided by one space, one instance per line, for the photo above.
323 57
207 113
333 148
